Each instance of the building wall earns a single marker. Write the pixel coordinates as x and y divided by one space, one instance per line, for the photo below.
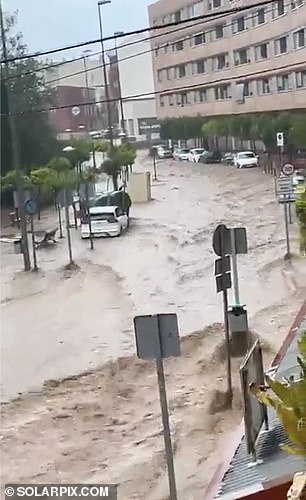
137 111
77 119
136 78
72 75
223 80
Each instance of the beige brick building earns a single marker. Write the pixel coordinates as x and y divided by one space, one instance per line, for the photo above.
250 61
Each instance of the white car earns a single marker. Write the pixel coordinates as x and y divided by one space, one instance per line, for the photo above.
195 154
163 152
181 154
246 159
105 221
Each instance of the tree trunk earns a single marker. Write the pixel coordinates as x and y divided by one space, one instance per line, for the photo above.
115 182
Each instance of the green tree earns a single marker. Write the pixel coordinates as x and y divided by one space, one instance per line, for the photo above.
112 167
37 141
297 132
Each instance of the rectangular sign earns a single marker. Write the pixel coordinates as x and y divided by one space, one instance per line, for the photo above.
222 265
148 126
157 335
284 185
223 282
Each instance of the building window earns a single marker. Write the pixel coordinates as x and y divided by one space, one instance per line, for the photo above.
166 49
156 52
222 92
203 95
214 4
198 39
220 62
161 101
131 126
299 38
198 67
181 70
159 75
219 31
300 79
168 73
178 99
259 17
239 25
263 86
247 89
261 51
177 16
281 45
185 98
198 9
177 46
283 82
296 3
171 100
241 56
278 8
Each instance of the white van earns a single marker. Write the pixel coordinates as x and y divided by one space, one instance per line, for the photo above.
105 221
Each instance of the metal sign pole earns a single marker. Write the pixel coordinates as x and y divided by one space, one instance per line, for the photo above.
33 245
234 267
289 213
287 256
165 420
154 165
228 346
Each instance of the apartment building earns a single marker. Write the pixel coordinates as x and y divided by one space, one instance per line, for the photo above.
241 62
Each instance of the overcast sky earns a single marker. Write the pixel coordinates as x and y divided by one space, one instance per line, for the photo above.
48 24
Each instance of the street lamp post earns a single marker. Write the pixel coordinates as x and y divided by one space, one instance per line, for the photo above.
89 124
109 118
119 84
15 154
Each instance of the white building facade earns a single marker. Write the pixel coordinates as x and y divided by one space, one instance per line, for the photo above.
136 79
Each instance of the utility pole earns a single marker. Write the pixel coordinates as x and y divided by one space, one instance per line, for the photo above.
108 108
119 85
15 152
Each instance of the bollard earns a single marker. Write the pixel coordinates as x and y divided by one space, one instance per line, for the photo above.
238 325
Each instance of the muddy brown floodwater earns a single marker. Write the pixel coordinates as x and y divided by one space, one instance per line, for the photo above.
57 323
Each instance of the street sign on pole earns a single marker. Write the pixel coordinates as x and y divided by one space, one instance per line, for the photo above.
287 169
280 139
223 281
157 337
284 188
222 234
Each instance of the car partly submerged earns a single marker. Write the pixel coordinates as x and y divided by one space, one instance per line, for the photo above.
181 154
104 221
246 159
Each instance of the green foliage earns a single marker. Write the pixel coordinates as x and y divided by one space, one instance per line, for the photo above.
60 164
288 398
263 126
36 138
9 183
182 128
81 150
101 145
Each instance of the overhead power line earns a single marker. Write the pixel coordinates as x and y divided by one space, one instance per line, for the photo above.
132 56
121 46
137 32
165 92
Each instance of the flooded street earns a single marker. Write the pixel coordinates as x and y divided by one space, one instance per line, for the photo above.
104 425
57 322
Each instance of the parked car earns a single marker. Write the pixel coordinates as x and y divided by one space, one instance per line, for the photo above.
228 158
116 198
210 157
153 149
246 159
105 221
163 152
181 154
195 154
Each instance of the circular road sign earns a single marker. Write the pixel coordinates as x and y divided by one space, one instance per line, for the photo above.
75 111
288 169
30 207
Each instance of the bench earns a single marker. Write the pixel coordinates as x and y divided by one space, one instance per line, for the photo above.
49 237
